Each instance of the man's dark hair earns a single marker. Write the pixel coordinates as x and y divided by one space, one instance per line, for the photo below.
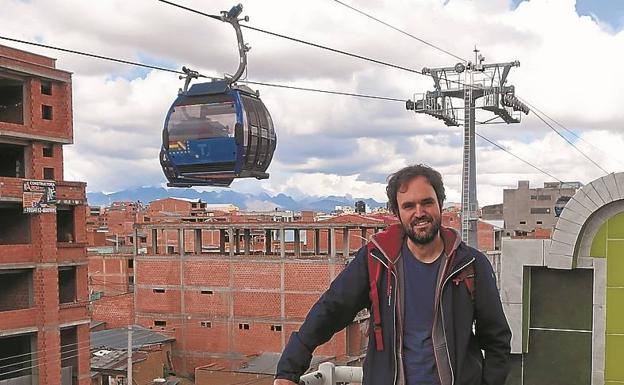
397 180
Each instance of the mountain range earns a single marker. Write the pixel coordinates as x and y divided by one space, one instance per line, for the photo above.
245 201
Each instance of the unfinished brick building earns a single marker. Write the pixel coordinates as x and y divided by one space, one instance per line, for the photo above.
44 320
244 298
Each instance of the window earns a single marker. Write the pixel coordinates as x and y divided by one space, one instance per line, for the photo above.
205 324
67 284
544 197
158 291
206 292
16 289
46 87
533 197
11 101
65 224
48 173
540 210
11 158
538 222
130 263
160 323
46 112
523 222
14 225
276 328
243 326
48 151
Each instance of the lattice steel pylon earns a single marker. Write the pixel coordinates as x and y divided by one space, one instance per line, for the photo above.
471 81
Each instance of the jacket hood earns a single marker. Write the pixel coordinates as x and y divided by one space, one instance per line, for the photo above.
390 241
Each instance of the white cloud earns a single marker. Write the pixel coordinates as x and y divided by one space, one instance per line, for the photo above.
332 144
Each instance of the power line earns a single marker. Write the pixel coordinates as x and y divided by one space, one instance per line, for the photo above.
569 142
517 157
400 30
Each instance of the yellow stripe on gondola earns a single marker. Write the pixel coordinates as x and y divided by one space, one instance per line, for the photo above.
177 146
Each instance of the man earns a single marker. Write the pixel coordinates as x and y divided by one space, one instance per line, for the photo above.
439 320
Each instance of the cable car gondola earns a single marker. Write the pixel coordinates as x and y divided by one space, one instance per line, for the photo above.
217 131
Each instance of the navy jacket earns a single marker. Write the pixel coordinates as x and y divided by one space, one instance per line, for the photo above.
457 346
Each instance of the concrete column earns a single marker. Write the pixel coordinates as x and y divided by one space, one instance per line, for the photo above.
232 241
332 243
181 241
198 241
297 242
363 235
155 241
268 239
345 242
222 241
282 233
237 240
247 240
317 241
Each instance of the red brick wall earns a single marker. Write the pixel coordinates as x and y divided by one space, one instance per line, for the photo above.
117 311
46 313
253 298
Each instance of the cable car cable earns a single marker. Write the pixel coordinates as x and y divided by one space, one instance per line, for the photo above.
567 129
101 57
92 55
569 142
400 30
122 61
517 157
324 91
320 46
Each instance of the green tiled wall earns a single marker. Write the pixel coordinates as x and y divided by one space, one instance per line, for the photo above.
609 243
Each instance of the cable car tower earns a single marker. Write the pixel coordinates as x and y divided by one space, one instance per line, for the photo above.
482 87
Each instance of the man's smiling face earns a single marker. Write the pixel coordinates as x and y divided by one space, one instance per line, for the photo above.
419 211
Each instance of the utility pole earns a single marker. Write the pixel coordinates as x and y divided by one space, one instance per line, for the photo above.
129 364
470 81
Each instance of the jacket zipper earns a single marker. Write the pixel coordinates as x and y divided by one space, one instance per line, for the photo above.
448 356
394 355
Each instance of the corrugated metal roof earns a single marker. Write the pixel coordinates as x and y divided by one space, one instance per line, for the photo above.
118 338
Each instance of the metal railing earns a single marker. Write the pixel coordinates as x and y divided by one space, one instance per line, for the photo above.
329 374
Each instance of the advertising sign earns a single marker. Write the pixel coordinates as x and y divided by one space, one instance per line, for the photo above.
39 196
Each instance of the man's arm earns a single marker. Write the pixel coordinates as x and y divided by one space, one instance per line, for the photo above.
492 329
337 307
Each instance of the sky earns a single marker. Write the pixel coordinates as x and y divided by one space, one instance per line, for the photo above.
335 145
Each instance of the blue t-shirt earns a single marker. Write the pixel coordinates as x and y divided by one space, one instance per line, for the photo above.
420 287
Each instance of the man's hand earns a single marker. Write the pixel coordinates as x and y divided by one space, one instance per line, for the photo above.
281 381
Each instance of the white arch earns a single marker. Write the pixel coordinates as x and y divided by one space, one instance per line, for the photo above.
566 239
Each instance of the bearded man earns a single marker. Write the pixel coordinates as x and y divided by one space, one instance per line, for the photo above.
436 316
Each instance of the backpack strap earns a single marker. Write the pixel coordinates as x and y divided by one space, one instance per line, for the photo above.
467 276
374 272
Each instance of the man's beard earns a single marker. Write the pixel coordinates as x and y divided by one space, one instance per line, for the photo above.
426 237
